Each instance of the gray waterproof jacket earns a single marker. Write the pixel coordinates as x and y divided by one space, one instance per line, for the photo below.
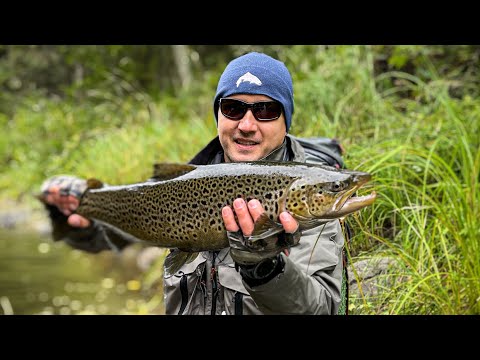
310 283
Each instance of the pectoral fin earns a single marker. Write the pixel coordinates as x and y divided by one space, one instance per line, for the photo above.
167 171
176 259
265 227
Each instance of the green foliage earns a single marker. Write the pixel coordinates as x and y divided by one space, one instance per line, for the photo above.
408 114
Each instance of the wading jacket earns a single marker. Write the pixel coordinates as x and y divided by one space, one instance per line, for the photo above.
310 283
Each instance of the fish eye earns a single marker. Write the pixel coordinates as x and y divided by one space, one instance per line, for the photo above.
337 186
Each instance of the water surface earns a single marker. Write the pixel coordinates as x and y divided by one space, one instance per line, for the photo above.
40 276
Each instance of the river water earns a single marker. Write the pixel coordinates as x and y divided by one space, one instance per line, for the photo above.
40 276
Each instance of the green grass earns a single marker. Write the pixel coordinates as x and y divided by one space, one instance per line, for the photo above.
420 143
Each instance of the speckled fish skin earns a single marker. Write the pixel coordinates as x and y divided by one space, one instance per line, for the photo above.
185 212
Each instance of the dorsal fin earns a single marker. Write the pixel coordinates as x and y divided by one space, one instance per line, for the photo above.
167 171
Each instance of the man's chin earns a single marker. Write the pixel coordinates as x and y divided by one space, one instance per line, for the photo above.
243 157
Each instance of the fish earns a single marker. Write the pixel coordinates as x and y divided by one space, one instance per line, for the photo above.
180 206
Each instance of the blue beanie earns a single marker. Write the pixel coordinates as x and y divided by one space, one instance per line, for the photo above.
256 73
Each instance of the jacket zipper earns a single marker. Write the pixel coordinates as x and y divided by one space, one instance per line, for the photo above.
184 292
213 277
238 303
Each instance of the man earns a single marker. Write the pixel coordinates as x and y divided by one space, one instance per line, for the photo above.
253 107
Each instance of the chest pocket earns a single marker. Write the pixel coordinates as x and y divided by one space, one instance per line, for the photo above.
179 287
319 252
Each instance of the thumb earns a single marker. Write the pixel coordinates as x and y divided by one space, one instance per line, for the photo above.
289 223
78 221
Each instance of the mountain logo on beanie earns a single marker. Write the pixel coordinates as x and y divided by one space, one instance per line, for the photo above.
252 79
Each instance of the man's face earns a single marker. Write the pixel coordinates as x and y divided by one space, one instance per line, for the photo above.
249 139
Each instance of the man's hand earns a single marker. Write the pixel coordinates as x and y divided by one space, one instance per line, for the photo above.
64 193
257 267
247 214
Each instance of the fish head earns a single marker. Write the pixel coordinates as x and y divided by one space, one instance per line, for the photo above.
328 197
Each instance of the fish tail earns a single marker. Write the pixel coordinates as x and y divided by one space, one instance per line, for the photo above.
176 259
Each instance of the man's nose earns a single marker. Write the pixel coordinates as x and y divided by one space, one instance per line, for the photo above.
248 123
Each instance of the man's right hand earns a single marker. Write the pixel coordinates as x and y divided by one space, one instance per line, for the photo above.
64 192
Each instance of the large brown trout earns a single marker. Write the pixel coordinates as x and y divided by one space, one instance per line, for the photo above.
181 206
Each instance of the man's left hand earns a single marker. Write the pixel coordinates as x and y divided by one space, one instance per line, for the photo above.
256 267
247 214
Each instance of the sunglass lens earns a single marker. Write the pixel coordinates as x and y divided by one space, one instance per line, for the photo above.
232 109
267 110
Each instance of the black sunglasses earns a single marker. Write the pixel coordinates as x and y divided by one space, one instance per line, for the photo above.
262 110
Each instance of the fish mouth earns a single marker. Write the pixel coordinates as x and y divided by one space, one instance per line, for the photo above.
347 204
355 203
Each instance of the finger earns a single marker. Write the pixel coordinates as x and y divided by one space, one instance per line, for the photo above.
52 195
55 198
64 204
289 223
49 198
243 215
78 221
229 219
73 202
255 208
